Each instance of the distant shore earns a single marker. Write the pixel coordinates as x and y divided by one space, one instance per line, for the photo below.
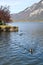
28 21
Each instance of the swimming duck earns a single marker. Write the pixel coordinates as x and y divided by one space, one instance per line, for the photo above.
31 51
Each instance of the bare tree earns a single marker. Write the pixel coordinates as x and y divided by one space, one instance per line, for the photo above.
4 14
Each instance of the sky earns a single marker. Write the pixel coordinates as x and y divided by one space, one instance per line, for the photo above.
16 6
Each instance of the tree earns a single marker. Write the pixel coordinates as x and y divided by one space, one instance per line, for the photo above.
4 14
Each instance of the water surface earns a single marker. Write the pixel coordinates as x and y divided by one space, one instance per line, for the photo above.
15 46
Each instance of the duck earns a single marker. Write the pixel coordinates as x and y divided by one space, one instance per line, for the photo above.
31 51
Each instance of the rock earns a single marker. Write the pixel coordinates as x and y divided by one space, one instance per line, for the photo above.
8 28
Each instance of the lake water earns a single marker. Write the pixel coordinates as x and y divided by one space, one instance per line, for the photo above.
15 46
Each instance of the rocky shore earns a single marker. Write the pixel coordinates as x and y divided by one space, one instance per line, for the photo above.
6 28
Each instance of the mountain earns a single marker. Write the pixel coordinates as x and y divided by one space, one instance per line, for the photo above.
33 13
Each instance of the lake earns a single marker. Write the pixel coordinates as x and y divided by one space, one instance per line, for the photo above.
15 46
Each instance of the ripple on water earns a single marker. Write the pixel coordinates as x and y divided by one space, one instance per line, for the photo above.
14 47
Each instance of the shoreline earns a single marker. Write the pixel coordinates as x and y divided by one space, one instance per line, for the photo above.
7 28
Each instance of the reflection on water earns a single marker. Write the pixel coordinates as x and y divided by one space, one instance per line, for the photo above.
15 46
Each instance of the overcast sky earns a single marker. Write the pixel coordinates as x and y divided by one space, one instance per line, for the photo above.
17 5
